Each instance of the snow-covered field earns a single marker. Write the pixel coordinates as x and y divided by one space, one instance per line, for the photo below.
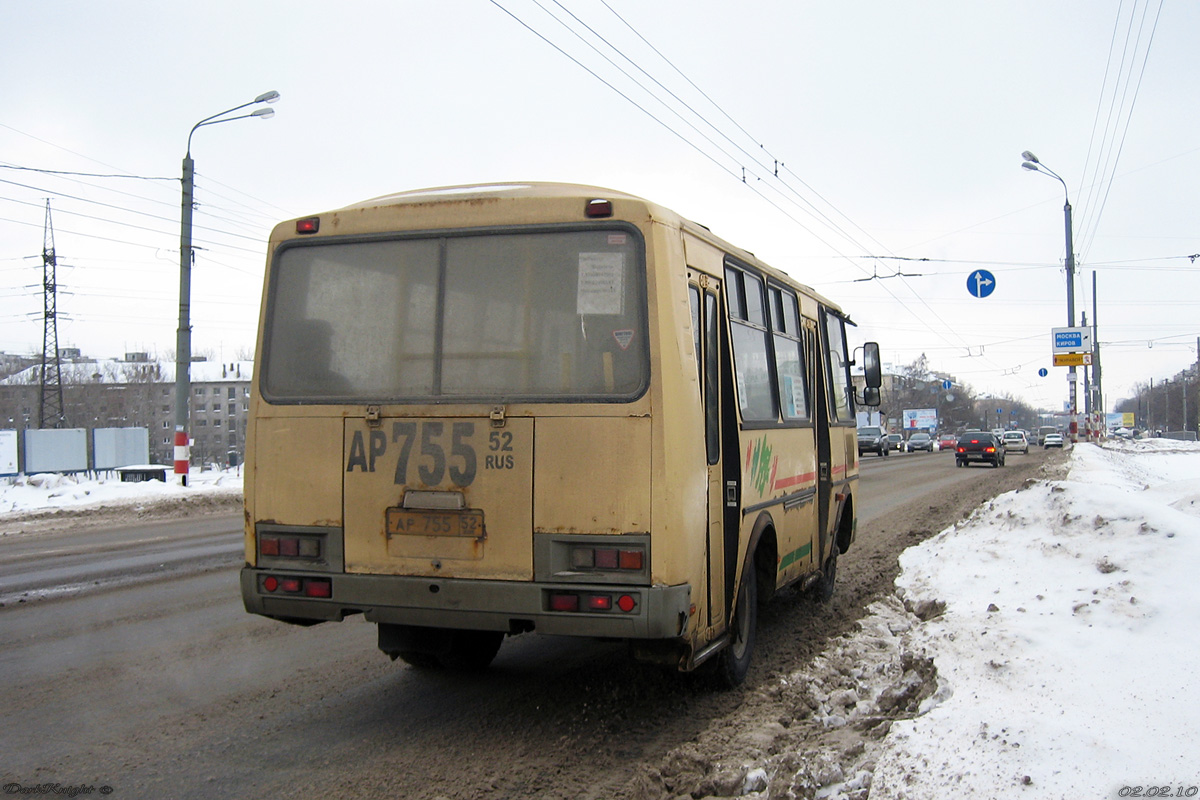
1063 622
24 494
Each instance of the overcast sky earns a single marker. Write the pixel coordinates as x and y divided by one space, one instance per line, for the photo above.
897 127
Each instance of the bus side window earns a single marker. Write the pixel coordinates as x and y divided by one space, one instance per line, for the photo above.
694 301
712 378
789 356
751 348
840 404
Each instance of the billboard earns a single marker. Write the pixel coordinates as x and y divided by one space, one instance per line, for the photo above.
8 453
120 447
920 419
55 450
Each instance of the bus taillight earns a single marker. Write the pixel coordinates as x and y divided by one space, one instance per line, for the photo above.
607 558
316 587
289 546
588 601
309 587
564 602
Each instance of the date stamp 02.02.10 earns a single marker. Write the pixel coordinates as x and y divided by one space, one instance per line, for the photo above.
1159 790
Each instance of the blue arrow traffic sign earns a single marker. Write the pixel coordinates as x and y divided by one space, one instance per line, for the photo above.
981 283
1043 372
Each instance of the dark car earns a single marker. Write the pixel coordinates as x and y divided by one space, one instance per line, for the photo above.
872 440
920 441
896 442
981 446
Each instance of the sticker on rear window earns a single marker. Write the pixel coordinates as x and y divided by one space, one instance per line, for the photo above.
601 288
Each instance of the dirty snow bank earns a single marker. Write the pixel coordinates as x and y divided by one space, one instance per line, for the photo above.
1042 648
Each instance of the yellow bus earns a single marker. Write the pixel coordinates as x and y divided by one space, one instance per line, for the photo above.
481 411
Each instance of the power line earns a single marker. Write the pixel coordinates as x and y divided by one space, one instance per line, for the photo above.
932 312
84 174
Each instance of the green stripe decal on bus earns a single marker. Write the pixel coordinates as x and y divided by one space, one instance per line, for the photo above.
794 556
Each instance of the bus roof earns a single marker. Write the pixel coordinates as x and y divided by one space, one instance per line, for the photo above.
475 193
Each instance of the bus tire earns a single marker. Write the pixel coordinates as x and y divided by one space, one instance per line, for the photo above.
431 648
822 590
418 659
734 661
471 651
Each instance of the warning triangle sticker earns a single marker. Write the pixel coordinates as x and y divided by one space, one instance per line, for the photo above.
623 338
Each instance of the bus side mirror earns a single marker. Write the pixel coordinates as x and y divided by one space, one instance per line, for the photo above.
873 375
872 370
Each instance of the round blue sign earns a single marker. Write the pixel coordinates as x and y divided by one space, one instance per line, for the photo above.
1043 372
947 385
981 283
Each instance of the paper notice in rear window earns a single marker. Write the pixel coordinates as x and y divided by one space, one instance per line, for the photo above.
601 283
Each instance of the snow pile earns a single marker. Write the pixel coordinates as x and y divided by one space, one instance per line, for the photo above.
52 491
1069 634
1041 649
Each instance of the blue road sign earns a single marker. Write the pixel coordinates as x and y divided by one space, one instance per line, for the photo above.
947 384
1043 372
981 283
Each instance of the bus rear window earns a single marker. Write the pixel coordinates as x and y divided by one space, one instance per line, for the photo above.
550 315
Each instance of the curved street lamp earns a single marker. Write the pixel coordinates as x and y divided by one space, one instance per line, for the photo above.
183 339
1032 164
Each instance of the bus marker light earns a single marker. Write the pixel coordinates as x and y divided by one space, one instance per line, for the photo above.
599 208
607 559
600 602
290 584
318 588
582 557
270 584
626 603
631 559
309 225
564 602
268 546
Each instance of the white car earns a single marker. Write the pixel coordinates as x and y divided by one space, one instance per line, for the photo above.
1052 440
1015 442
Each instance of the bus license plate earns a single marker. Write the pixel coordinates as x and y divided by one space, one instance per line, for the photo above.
402 522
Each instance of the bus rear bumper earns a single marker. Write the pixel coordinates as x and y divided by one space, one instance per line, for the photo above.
600 610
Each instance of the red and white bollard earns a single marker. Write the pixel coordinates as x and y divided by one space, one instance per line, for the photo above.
182 455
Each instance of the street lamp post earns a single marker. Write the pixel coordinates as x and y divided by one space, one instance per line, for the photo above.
183 338
1031 163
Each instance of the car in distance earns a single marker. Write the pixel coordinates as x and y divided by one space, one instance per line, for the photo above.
1045 431
896 442
947 441
1052 440
873 440
920 441
982 446
1015 442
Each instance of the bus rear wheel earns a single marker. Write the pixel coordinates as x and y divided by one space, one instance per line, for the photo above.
734 661
822 590
449 648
